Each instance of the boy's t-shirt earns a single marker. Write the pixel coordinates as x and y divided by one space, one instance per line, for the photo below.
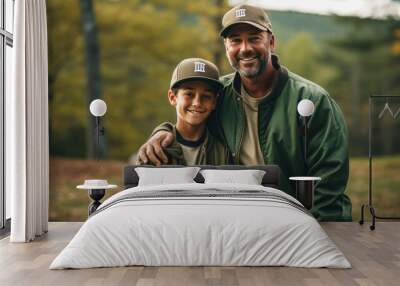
191 149
205 151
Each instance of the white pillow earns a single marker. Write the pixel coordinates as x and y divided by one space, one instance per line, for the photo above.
164 176
248 177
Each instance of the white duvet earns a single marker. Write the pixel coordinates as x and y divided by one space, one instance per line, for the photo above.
183 231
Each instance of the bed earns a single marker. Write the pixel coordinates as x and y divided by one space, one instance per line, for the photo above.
201 224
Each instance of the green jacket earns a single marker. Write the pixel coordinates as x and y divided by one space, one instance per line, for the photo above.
212 152
282 144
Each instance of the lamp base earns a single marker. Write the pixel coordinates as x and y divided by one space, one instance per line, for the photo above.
305 193
305 190
96 195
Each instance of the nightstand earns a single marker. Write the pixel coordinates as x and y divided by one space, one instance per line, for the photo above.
96 190
305 190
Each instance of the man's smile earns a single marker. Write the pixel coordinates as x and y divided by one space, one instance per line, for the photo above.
248 59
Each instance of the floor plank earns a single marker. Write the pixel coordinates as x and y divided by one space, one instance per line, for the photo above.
374 255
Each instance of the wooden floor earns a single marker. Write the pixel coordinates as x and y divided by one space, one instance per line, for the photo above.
374 255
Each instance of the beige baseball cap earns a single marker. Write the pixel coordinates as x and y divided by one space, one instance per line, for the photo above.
246 14
196 68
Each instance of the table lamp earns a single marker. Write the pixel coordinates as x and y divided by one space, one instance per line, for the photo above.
98 108
97 188
305 108
305 185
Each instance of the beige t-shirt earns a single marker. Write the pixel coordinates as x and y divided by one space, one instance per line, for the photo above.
250 151
191 154
192 150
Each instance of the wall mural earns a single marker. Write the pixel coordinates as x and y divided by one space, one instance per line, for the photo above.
132 70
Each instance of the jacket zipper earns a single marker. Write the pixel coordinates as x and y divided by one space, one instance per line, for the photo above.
237 157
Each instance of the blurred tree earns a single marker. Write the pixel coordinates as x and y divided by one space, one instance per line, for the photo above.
303 56
364 56
66 79
93 77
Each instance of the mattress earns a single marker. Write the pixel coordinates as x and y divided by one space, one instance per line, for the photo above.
201 225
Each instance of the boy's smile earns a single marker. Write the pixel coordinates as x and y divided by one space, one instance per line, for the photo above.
194 101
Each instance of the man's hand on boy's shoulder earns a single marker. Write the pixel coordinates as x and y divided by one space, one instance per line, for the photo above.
152 152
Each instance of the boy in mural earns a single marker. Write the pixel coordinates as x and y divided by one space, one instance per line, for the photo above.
193 92
257 116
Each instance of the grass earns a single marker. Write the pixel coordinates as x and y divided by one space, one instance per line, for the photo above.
70 204
385 185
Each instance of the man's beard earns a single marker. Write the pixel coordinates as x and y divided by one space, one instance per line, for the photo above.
252 72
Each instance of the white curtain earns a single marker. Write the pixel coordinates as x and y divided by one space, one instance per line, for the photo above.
27 149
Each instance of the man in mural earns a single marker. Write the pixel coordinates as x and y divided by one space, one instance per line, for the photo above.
257 117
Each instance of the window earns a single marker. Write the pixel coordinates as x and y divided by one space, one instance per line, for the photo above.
6 62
